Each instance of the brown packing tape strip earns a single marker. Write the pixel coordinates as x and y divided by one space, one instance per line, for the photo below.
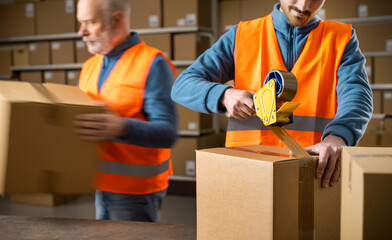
306 183
294 147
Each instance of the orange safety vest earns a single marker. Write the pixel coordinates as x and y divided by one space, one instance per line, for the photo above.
257 52
123 167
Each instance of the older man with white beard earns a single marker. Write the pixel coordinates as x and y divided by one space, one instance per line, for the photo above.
139 127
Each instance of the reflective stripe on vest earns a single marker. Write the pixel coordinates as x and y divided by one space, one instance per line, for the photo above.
257 52
127 168
300 123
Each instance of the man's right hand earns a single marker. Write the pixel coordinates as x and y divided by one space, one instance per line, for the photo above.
238 103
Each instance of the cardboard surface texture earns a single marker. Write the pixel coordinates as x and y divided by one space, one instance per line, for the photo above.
33 77
39 151
82 54
189 46
62 52
17 19
179 13
366 193
39 53
56 17
260 192
160 41
194 122
146 14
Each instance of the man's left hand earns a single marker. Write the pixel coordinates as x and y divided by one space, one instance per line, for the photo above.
329 164
99 126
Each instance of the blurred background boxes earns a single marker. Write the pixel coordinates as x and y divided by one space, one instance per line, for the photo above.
369 8
194 123
82 54
20 55
180 13
56 16
373 37
54 77
62 52
39 53
336 9
146 14
33 77
161 41
188 46
17 19
5 61
73 77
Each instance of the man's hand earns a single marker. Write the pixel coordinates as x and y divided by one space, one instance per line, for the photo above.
99 126
329 164
238 103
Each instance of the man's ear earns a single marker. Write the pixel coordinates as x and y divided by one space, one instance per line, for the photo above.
117 17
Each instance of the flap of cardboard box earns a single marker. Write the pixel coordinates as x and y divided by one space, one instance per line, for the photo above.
372 159
13 91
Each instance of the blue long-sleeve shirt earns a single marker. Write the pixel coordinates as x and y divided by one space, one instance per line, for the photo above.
200 87
160 131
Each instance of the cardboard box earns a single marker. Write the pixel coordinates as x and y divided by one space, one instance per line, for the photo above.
5 61
376 138
180 13
183 154
54 77
252 9
377 100
41 199
20 55
387 104
56 17
335 9
381 69
179 70
73 77
368 8
193 123
82 54
161 41
366 193
17 20
146 14
32 77
229 14
39 53
189 46
62 52
260 192
44 154
374 37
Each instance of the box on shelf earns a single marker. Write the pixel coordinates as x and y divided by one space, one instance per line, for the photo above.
189 46
381 69
183 154
59 161
180 13
229 14
369 69
41 199
39 53
17 20
20 55
32 77
146 14
161 41
252 9
387 104
62 52
374 37
56 17
179 70
191 122
73 77
260 192
223 121
368 8
334 9
366 193
82 54
376 138
5 61
377 99
54 77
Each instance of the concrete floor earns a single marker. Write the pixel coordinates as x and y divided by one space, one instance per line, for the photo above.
175 209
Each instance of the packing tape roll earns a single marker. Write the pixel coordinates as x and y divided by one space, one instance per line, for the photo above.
285 84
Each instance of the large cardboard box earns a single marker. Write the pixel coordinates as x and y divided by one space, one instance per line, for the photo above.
17 20
369 8
73 77
32 77
54 77
20 55
161 41
189 46
180 13
62 52
387 104
381 69
366 193
39 150
193 123
335 9
39 53
5 61
260 192
374 37
56 17
183 154
146 14
82 54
